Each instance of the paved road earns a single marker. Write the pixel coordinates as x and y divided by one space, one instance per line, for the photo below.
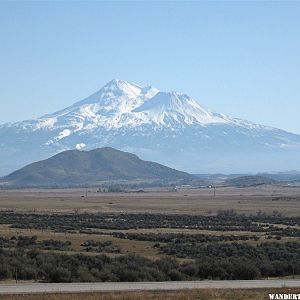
134 286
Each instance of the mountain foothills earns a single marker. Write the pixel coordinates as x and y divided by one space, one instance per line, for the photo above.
98 166
167 127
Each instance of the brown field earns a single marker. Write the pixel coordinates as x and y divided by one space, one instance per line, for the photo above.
189 201
284 200
267 199
144 248
203 294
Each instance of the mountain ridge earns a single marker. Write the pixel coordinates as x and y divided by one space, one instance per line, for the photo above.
166 127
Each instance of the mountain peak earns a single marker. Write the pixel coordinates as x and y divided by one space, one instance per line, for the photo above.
116 81
121 103
131 89
167 108
118 84
169 127
116 96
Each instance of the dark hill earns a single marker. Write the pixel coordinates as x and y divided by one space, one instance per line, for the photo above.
246 181
71 168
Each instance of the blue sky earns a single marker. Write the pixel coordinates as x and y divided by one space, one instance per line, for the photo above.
240 58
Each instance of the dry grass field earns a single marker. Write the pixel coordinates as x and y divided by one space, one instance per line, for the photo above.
144 248
154 224
286 200
205 294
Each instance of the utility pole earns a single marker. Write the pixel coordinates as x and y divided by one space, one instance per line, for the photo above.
35 272
86 191
16 275
293 265
293 271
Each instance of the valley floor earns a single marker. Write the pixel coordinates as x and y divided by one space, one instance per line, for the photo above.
74 235
283 199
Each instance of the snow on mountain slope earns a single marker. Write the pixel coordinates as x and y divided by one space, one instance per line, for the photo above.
103 108
167 127
167 108
121 104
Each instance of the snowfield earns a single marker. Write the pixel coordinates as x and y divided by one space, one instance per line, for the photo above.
168 127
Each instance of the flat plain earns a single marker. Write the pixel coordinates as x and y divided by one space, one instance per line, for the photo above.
172 234
202 201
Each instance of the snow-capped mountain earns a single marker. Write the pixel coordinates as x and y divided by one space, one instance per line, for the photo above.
167 127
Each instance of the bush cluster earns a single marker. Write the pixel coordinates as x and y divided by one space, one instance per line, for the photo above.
224 221
100 246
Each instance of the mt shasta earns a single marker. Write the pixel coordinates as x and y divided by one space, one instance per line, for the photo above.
167 127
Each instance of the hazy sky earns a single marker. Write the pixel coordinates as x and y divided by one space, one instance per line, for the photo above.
240 58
